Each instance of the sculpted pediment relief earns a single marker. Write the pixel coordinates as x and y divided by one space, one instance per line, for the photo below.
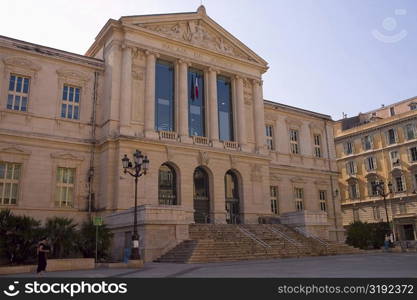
21 62
199 33
14 150
66 156
73 74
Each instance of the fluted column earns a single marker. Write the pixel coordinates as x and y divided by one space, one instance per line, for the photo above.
126 90
150 95
258 114
213 109
241 113
183 101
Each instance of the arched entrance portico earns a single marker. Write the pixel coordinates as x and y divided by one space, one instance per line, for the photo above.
232 197
201 196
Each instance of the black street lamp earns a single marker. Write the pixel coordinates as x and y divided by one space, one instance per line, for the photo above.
380 185
140 167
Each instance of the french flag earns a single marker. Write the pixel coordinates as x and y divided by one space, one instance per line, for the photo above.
194 92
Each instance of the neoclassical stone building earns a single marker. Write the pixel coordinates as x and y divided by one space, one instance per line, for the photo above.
380 146
186 93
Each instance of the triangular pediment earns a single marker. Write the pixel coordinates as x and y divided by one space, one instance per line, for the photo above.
196 29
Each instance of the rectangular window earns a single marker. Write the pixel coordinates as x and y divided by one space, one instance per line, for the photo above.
196 103
317 145
70 106
413 154
225 109
9 182
323 199
348 148
269 132
413 106
353 191
164 96
18 93
65 183
410 131
274 199
294 141
399 184
391 136
299 199
395 159
367 142
373 190
370 163
351 168
392 111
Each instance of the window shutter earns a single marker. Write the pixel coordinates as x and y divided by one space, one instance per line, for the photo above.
396 135
371 139
357 190
363 144
374 160
369 189
404 182
355 167
347 168
409 155
345 147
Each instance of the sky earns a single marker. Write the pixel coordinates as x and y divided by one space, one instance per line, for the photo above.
329 56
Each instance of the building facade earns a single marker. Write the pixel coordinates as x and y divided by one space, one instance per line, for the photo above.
380 146
186 93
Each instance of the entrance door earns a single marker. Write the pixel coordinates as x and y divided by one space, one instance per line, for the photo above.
232 198
201 196
409 232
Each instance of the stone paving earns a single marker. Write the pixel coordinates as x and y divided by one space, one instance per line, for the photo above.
356 265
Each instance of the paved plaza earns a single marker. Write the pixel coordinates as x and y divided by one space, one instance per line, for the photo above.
358 265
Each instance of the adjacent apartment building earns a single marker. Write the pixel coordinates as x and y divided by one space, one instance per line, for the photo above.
186 93
380 146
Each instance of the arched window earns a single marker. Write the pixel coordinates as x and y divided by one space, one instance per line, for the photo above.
232 197
201 196
167 185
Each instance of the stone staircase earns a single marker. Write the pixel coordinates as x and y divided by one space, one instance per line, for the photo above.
221 243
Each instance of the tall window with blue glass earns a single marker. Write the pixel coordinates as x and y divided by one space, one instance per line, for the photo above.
224 104
164 96
196 103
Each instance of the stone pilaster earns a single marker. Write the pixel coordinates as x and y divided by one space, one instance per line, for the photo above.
183 101
213 111
150 95
126 90
258 116
241 113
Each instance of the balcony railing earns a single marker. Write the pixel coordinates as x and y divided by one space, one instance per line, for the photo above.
230 145
168 135
201 140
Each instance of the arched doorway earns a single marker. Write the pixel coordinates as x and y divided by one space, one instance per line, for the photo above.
201 196
167 181
232 197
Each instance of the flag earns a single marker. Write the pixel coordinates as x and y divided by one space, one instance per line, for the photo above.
196 88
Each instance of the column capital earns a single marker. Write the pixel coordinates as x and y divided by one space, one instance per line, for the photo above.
238 77
257 82
211 69
151 53
184 61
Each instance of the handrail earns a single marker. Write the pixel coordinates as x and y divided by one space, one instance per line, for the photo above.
311 235
253 237
285 236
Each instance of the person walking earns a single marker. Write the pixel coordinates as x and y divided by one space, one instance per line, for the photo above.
386 243
42 250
